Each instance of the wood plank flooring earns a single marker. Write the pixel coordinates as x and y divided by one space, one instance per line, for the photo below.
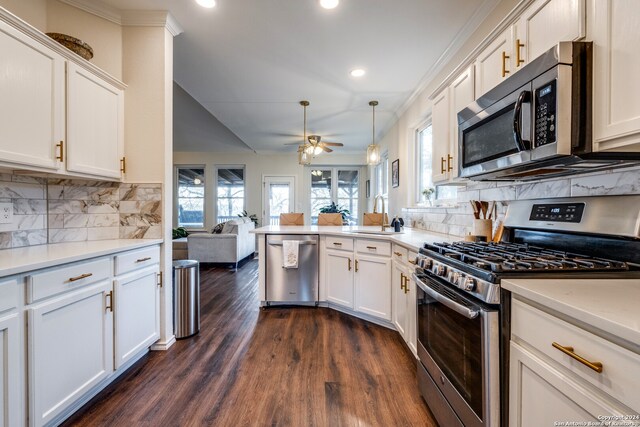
272 367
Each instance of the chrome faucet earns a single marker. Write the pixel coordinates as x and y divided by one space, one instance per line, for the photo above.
375 210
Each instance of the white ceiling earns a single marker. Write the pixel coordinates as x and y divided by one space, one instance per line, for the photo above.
249 63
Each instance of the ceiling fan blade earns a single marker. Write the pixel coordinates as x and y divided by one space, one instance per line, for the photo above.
333 144
327 149
293 143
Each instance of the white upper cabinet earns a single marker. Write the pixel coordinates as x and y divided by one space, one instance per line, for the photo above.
461 94
440 136
95 124
614 28
33 101
494 63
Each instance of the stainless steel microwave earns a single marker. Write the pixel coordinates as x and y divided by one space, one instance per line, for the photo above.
536 123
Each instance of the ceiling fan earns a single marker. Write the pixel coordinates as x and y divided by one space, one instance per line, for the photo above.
313 144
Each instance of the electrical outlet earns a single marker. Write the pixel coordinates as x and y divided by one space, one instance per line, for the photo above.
6 213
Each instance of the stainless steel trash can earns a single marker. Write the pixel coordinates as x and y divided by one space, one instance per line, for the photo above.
186 298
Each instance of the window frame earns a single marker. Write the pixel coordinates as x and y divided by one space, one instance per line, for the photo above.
215 187
334 169
176 195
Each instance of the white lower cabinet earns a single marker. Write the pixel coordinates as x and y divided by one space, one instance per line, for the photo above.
339 277
372 277
404 303
10 397
70 349
137 315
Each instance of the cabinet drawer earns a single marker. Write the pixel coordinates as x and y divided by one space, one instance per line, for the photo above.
400 254
373 247
8 295
66 278
411 258
620 376
343 243
133 260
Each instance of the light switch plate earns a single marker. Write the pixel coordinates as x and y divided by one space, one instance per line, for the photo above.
6 213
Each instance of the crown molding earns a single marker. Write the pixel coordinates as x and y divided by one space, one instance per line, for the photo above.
129 18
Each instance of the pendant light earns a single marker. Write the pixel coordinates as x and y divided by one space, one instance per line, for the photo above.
304 156
373 150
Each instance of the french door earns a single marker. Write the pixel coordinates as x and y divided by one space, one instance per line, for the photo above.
278 197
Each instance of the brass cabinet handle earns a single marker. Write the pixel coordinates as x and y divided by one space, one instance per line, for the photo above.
108 306
60 145
143 259
349 264
356 266
449 163
596 366
412 262
443 162
402 281
398 254
159 277
504 63
406 284
123 165
337 243
80 277
372 248
519 60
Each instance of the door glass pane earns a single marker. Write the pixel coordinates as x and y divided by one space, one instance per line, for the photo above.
190 197
320 192
230 197
348 194
278 201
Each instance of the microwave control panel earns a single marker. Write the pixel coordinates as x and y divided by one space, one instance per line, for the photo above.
545 110
565 212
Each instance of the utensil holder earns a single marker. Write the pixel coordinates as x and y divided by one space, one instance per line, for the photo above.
483 227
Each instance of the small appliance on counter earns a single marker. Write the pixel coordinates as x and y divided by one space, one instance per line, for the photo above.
463 314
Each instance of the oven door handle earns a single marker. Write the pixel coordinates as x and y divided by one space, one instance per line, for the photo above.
458 308
525 96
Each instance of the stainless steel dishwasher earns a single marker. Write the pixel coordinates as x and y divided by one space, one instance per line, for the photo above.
292 285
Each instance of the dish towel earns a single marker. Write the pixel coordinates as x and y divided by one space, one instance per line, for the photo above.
290 253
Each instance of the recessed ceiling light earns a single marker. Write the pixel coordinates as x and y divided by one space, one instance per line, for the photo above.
206 3
358 72
329 4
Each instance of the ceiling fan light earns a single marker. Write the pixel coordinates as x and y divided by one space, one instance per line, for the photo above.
197 181
373 154
329 4
206 3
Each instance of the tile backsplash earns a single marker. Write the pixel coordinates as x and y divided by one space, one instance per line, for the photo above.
53 210
458 220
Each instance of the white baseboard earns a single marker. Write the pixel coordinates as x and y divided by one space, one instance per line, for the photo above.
163 345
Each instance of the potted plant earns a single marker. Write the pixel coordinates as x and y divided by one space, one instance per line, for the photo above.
252 217
333 208
428 193
180 232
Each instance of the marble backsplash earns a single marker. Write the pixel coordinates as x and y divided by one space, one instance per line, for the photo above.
52 210
458 220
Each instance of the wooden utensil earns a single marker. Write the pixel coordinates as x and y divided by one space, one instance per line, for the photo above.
476 212
492 207
484 206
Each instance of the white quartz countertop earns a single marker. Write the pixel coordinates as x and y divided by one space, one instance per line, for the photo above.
610 305
19 260
410 238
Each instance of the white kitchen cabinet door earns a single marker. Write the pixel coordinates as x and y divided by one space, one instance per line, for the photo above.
440 119
10 396
70 349
399 296
33 101
137 313
545 23
614 28
461 94
95 124
412 315
540 395
494 63
339 269
372 278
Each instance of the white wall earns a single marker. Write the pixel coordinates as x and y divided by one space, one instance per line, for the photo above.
259 165
32 11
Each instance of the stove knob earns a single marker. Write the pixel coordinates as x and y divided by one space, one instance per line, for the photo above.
439 270
453 277
425 263
469 284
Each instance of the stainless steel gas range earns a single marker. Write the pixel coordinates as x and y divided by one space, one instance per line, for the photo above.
463 314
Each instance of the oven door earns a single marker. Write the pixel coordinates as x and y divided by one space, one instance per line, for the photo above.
497 137
458 345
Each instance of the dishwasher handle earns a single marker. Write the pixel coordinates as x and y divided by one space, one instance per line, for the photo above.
302 243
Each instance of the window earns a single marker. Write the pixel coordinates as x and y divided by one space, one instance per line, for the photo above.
190 191
333 184
424 150
230 192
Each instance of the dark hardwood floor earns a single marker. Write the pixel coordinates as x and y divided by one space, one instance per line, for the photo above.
272 367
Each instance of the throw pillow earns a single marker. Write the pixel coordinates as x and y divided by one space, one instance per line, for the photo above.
218 228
